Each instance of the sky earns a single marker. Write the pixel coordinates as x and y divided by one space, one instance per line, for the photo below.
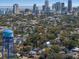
31 2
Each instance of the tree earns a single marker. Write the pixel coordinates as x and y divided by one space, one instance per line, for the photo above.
55 48
70 44
51 36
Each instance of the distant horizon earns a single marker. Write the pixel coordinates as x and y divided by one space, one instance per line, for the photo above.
38 2
24 7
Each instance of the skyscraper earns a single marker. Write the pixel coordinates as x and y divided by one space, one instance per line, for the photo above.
69 5
46 6
15 9
58 7
8 11
43 8
46 3
35 10
62 7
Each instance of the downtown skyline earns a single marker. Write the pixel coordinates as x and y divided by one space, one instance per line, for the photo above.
38 2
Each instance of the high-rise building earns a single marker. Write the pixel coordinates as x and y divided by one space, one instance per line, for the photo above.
46 7
35 10
62 7
2 11
43 8
8 11
46 3
58 7
15 9
53 7
69 5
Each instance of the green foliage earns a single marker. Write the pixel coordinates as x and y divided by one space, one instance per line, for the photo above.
26 48
70 43
55 48
51 36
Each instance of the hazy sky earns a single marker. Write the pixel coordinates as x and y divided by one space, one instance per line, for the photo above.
31 2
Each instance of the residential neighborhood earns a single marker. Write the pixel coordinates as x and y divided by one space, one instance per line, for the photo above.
40 34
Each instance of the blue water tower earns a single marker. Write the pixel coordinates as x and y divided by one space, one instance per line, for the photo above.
7 43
